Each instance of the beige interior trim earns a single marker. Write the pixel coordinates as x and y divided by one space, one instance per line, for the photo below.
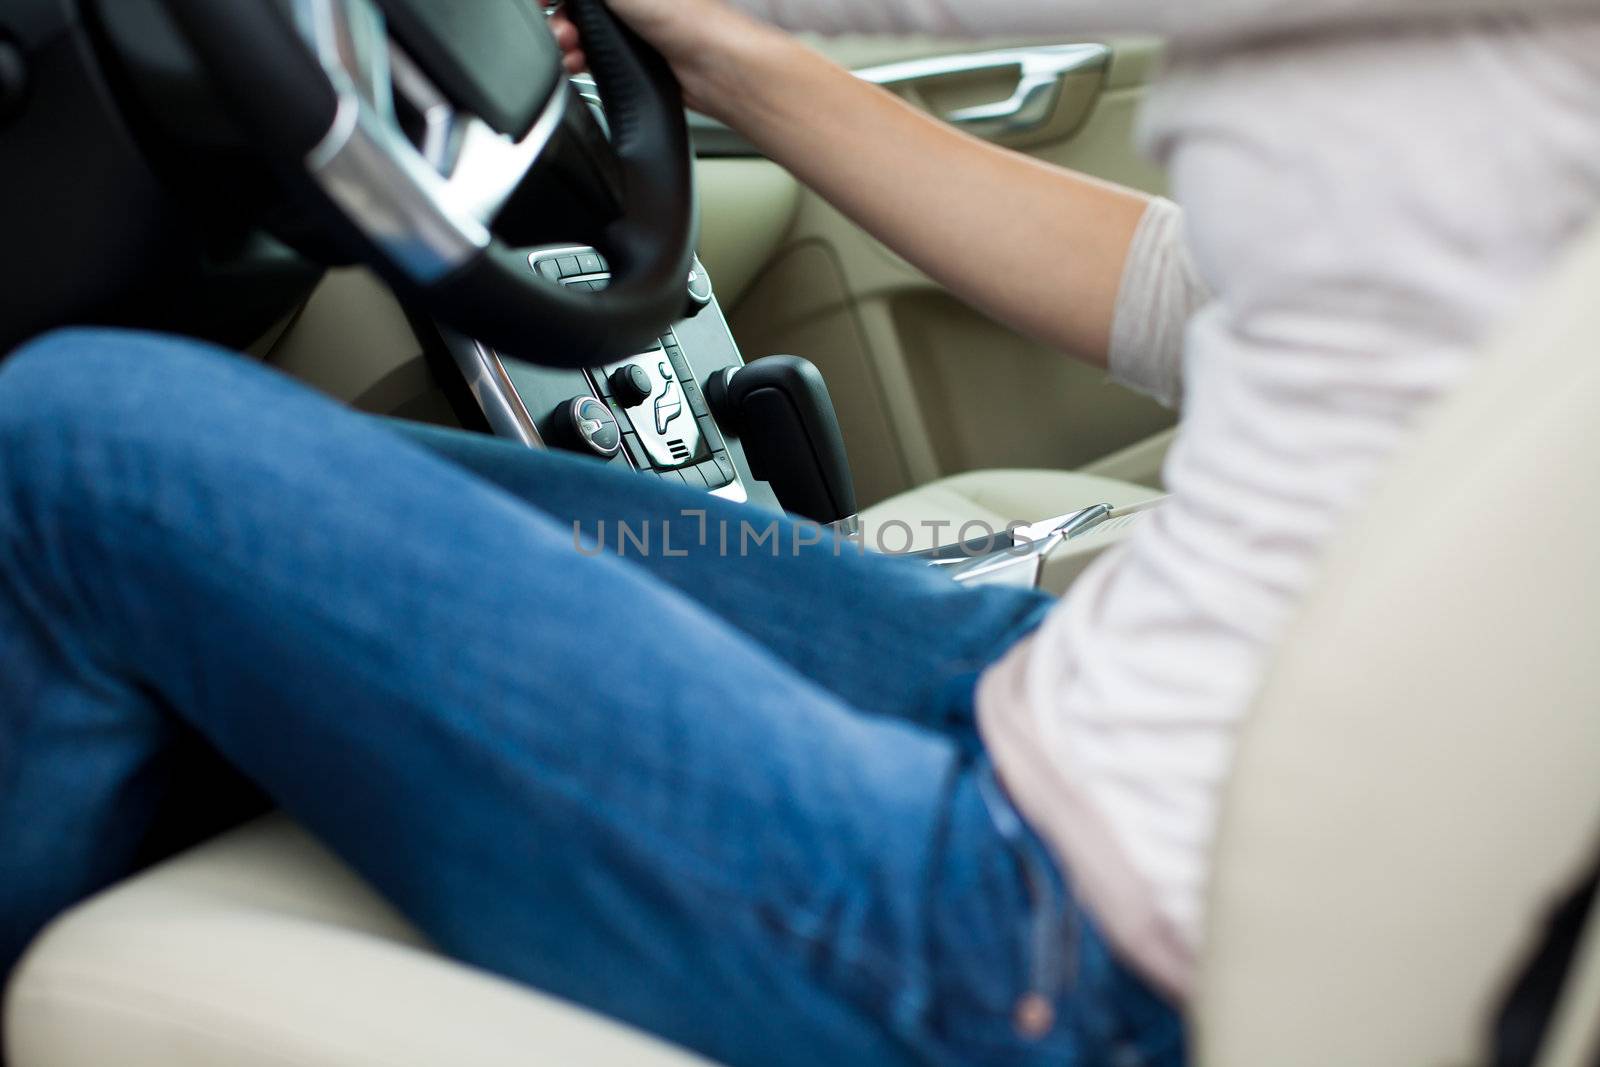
748 207
350 337
1140 463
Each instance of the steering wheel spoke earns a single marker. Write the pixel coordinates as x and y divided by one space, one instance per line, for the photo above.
420 178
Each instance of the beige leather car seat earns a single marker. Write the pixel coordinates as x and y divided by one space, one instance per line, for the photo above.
1420 781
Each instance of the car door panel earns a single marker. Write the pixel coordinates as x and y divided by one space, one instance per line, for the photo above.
925 386
750 210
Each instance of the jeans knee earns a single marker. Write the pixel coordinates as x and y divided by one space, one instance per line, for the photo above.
77 407
82 383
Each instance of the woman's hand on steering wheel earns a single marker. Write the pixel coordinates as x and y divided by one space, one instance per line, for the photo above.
695 36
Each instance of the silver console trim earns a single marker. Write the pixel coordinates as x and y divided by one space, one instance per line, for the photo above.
491 386
734 491
847 527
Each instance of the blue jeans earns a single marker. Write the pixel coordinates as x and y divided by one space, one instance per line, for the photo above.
735 798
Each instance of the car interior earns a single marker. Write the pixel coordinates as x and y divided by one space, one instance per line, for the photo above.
424 218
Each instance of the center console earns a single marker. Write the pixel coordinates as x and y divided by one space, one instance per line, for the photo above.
686 409
647 412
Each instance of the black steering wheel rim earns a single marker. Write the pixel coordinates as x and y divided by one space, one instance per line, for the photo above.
313 81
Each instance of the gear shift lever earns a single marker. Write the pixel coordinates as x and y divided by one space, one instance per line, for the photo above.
780 409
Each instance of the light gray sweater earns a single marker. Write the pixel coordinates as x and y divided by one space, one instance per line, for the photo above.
1362 208
1212 22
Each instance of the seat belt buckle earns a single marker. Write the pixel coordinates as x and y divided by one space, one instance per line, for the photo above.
1021 566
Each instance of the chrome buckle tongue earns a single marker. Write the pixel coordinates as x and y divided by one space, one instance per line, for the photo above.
1022 565
1066 527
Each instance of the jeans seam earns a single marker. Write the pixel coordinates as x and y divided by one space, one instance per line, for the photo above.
1053 929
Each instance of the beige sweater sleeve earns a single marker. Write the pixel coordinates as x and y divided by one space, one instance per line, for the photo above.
1161 291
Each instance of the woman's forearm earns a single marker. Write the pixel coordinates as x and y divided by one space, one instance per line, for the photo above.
1036 247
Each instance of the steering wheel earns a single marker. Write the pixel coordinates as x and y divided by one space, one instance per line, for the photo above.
415 126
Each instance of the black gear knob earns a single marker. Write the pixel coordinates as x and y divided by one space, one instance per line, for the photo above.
780 410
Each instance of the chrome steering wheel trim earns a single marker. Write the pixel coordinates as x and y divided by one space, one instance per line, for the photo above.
425 199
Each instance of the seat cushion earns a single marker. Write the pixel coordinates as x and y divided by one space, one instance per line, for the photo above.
261 949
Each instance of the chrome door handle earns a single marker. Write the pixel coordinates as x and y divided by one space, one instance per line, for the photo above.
1042 70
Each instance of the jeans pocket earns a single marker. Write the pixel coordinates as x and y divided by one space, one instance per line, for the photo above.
1052 922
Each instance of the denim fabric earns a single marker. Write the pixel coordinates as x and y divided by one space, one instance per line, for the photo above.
735 798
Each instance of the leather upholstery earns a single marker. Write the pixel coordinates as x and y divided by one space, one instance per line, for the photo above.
1421 779
260 950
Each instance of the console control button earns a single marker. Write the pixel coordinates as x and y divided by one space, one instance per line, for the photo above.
699 289
725 464
693 478
590 263
670 433
550 270
569 266
679 364
711 471
713 436
636 451
697 399
588 424
631 385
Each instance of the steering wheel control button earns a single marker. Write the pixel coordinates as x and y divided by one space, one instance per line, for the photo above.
631 385
589 424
